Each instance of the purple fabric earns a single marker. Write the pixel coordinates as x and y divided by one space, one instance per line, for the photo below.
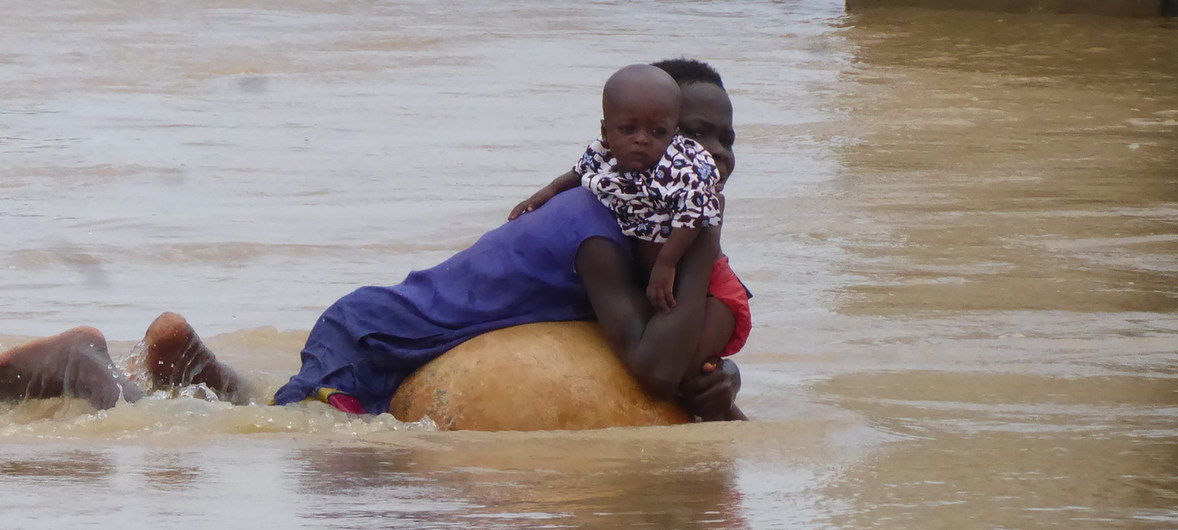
367 342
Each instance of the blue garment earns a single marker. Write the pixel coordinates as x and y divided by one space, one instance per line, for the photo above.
367 342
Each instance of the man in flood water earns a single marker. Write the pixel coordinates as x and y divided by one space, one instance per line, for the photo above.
565 261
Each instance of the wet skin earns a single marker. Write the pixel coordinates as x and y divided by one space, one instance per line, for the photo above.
76 363
176 357
706 117
72 363
663 351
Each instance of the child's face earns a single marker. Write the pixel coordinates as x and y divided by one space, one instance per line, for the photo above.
638 134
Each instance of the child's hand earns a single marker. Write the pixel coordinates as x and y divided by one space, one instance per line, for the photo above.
531 203
661 289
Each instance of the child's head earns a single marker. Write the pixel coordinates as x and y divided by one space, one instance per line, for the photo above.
640 114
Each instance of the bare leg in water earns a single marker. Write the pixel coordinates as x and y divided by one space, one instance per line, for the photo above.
73 363
717 329
177 357
77 363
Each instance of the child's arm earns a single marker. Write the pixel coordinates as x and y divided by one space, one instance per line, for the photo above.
565 182
661 288
697 205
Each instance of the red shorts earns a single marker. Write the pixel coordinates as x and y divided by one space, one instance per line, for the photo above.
726 287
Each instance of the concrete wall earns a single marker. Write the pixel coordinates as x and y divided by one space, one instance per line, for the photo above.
1120 8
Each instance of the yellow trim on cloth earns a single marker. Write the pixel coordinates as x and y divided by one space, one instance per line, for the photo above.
321 395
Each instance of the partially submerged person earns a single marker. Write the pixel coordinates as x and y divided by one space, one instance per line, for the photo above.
663 187
77 363
566 261
659 185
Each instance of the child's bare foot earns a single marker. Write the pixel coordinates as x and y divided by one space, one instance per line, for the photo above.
74 363
176 357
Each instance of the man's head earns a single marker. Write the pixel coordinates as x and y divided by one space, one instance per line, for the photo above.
706 111
640 114
687 71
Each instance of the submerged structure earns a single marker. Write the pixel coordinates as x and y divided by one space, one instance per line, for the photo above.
1120 8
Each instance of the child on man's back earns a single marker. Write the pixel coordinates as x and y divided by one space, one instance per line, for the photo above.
659 184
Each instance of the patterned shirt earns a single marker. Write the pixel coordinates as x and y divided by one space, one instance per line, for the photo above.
677 192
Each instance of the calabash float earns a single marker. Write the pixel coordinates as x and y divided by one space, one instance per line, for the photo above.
543 376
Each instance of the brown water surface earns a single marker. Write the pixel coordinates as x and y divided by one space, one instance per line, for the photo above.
961 230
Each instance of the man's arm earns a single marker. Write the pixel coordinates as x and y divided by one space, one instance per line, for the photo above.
711 394
657 349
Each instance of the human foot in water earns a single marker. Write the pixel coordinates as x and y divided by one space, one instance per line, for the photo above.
74 363
177 357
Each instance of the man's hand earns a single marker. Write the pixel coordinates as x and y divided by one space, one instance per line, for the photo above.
661 288
711 394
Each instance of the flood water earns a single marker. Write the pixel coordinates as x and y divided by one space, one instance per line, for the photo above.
961 230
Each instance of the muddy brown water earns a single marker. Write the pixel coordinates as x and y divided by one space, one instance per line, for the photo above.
961 230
